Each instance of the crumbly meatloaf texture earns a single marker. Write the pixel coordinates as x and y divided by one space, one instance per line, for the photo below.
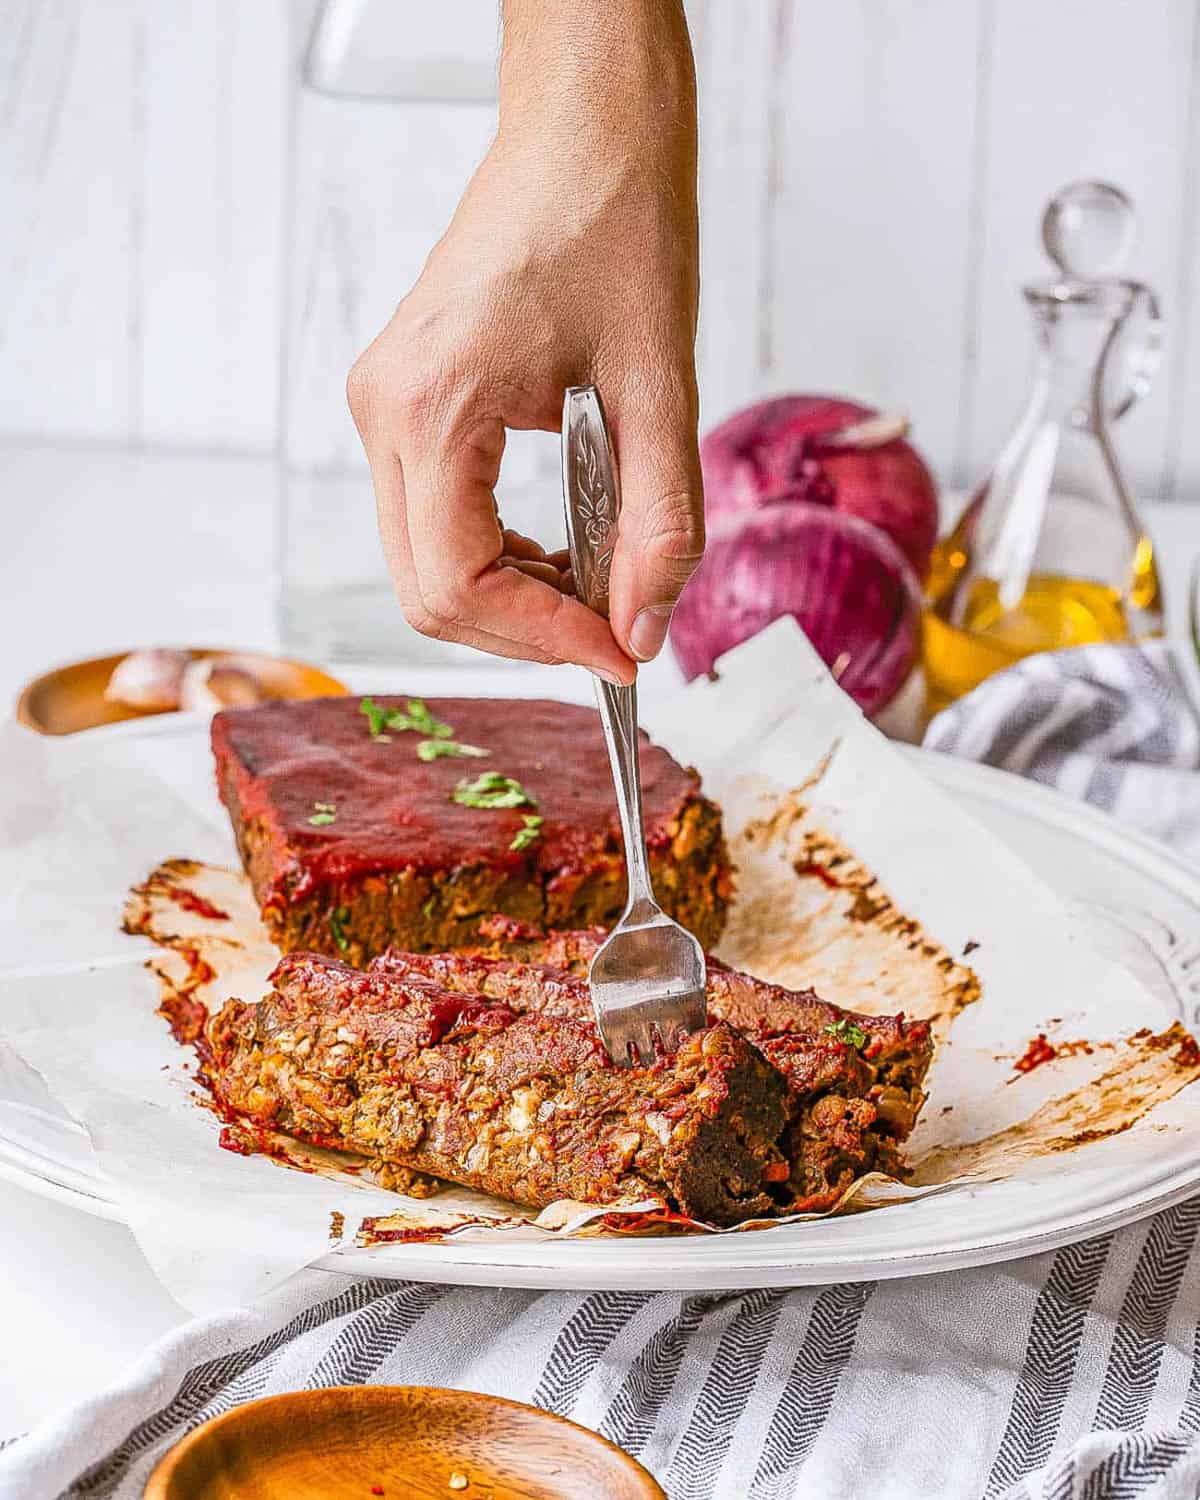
398 863
525 1105
855 1082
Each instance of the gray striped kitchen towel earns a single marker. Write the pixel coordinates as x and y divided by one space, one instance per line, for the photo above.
1111 724
1072 1375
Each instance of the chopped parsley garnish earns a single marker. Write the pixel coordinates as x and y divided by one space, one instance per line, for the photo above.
377 717
414 716
492 790
531 831
435 749
846 1031
337 925
323 814
420 719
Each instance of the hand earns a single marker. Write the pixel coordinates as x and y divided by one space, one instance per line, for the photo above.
572 260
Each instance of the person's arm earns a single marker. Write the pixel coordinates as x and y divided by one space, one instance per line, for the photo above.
572 260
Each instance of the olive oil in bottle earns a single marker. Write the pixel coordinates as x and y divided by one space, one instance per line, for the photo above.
1051 552
970 633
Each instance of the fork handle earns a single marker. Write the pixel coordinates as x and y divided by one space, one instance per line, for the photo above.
592 496
618 714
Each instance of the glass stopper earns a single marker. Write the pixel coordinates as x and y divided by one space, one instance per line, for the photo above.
1088 229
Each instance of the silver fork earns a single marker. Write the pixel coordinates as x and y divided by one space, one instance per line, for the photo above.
647 978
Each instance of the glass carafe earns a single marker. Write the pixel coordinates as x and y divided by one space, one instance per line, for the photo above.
1050 552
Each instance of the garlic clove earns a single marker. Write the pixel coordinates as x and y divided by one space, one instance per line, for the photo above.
214 683
235 687
149 680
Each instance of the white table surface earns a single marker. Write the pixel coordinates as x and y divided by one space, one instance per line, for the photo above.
106 549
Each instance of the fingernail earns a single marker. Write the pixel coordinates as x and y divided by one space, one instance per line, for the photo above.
606 676
649 631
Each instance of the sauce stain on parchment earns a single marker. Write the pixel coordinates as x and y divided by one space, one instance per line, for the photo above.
198 963
809 913
1041 1050
1152 1068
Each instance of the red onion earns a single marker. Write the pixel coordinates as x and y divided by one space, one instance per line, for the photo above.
848 585
825 451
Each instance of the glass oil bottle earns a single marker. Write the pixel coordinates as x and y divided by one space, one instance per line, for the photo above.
1050 552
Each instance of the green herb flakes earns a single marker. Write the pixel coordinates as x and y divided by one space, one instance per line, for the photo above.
846 1031
435 749
492 790
531 831
419 720
415 716
377 717
337 925
323 814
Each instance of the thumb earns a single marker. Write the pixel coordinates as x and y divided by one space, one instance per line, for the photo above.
660 539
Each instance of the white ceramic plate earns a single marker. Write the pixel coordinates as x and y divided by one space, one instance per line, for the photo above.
1145 907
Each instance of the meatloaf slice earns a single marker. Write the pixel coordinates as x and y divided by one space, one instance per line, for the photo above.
523 1105
899 1050
855 1082
347 825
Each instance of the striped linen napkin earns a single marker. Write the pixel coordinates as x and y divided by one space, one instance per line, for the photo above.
1110 724
1071 1374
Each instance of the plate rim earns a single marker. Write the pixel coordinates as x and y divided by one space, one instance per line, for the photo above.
629 1268
726 1277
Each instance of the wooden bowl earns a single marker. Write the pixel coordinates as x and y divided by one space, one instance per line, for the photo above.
71 698
397 1441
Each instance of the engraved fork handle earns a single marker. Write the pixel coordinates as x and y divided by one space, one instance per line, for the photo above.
592 497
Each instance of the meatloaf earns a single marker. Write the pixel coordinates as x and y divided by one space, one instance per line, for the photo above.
855 1082
522 1104
365 824
899 1051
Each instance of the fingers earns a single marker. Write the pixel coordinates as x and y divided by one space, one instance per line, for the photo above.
445 547
456 550
525 549
522 548
541 571
660 540
435 457
390 497
531 558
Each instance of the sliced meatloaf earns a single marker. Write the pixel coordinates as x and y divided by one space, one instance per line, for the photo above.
855 1082
522 1104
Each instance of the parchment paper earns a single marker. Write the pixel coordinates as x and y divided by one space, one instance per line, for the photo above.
857 876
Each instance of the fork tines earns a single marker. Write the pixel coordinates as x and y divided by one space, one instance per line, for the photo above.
649 1029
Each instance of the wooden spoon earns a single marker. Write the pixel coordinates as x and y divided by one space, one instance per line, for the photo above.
365 1441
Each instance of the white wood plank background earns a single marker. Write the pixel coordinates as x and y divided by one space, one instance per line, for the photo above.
214 148
871 215
143 159
735 50
1129 127
194 245
71 181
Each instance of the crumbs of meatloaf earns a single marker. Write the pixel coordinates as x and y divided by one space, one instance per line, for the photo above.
353 841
